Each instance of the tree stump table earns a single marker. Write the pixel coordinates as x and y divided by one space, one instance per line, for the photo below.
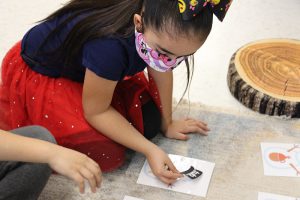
265 77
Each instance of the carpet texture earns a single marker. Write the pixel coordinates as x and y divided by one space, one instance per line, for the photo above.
233 144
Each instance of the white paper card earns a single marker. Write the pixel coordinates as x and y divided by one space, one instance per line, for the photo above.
269 196
281 159
131 198
198 186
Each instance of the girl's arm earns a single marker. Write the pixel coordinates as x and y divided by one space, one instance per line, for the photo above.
67 162
176 129
164 82
97 97
24 149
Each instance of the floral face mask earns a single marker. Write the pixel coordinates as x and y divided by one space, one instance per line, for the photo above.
154 59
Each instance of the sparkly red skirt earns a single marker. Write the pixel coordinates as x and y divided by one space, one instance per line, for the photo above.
29 98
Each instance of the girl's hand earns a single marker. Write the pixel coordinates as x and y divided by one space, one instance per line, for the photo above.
76 166
162 166
178 129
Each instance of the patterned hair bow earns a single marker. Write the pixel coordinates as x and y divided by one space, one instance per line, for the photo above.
191 8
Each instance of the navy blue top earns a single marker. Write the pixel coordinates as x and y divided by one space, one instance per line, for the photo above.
109 57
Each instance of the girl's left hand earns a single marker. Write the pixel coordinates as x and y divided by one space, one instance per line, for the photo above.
178 129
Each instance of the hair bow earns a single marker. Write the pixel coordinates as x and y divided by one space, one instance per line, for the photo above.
191 8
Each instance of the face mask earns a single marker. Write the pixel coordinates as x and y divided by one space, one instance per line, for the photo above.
155 60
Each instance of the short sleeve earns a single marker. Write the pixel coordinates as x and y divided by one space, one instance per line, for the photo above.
106 57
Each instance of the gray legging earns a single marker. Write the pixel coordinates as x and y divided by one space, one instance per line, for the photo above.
19 180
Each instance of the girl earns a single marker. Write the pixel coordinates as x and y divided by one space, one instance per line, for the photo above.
20 179
80 74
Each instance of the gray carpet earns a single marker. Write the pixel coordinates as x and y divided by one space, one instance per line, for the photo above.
233 144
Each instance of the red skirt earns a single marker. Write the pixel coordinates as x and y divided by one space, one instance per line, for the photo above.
29 98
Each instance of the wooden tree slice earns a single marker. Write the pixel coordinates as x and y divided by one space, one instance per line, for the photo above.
265 76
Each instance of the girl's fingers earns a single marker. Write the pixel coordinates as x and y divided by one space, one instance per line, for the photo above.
193 126
195 129
199 124
190 119
94 163
77 177
96 172
199 130
170 175
90 177
166 180
180 136
203 126
171 167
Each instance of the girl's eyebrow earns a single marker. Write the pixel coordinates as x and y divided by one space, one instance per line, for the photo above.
171 52
165 50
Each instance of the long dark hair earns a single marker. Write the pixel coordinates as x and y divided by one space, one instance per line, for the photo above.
105 18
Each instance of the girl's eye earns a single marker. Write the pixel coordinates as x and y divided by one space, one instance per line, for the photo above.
159 53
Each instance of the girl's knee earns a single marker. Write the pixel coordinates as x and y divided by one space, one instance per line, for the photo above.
43 134
37 132
44 170
37 173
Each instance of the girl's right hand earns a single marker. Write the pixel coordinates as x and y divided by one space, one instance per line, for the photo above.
162 166
76 166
